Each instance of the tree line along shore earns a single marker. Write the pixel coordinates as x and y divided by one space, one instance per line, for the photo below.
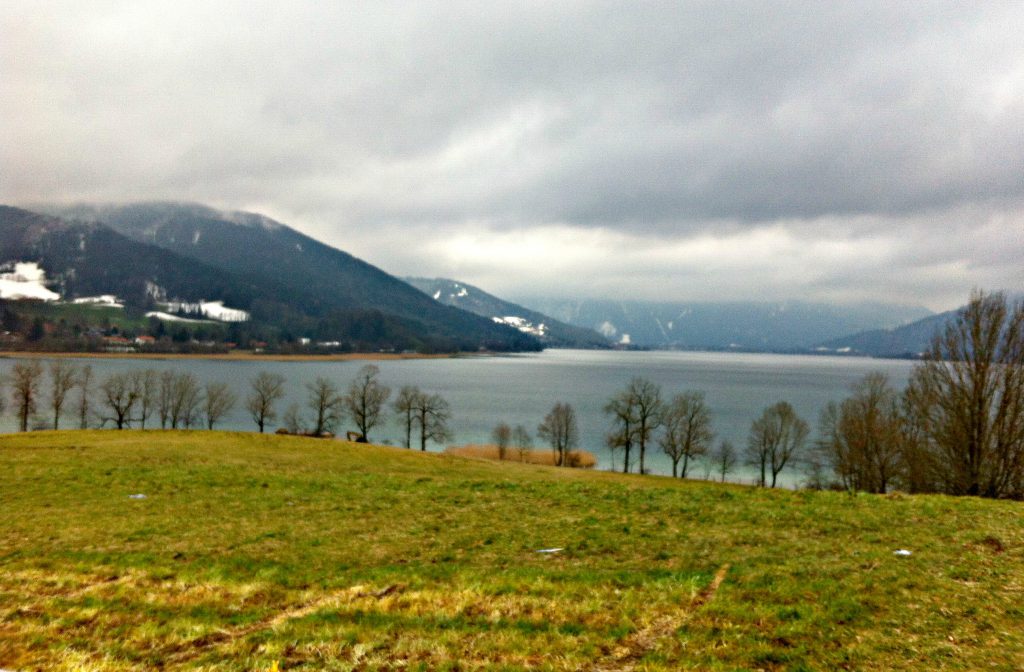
957 428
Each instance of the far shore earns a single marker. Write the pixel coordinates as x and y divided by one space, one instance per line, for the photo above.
233 356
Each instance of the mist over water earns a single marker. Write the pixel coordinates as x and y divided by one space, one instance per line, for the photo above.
520 389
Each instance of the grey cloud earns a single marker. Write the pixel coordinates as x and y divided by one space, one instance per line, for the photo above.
659 120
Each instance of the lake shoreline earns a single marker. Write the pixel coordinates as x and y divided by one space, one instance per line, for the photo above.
235 356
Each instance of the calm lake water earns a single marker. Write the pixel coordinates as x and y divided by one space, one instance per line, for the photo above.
520 389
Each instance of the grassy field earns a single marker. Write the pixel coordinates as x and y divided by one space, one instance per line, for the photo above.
249 551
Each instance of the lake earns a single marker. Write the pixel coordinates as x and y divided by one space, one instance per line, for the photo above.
520 389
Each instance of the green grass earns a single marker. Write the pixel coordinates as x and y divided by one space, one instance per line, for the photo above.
81 313
253 550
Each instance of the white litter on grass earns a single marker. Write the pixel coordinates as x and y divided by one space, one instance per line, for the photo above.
138 495
902 552
550 550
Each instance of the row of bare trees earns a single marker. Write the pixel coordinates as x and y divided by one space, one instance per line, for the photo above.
364 404
640 416
42 396
681 427
559 429
958 427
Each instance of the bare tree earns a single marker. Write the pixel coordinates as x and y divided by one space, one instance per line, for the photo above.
26 378
165 398
219 402
186 401
84 383
292 420
968 399
365 400
560 430
326 403
646 397
523 442
405 409
266 390
149 394
862 438
920 470
775 439
624 422
63 375
501 435
432 416
120 392
725 459
688 434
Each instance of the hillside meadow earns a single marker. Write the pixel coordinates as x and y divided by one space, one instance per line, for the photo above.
221 551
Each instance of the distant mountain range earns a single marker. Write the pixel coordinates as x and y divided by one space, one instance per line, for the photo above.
551 332
794 326
910 340
292 285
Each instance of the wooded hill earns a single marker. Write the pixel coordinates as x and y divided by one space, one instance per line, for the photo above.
293 286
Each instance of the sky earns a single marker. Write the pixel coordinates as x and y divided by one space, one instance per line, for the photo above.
699 151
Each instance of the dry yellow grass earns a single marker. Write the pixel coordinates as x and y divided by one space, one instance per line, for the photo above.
580 459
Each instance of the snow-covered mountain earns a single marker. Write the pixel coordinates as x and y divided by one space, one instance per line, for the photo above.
550 331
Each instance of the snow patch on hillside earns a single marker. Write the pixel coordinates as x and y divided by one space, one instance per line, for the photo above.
167 317
218 311
26 281
523 325
102 300
213 310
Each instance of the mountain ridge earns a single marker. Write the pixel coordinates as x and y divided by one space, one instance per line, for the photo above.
352 301
792 326
552 332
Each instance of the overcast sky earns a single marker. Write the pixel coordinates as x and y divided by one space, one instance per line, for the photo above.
702 151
